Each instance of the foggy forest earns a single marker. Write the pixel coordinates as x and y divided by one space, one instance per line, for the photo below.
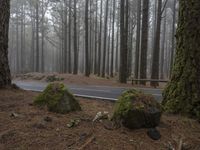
100 74
79 37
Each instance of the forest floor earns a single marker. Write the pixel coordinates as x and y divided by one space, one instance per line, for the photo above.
24 126
79 79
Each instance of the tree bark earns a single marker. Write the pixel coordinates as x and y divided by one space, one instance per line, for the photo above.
96 40
117 43
42 42
75 42
37 36
22 39
156 48
100 37
144 41
162 55
138 36
123 41
173 34
87 64
69 44
113 38
17 41
32 54
182 93
105 40
5 77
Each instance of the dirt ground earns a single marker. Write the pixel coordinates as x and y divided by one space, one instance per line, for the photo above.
80 79
23 127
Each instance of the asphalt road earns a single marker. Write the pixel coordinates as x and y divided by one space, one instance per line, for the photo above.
90 91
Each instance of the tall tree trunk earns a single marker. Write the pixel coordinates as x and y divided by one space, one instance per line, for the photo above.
75 42
32 54
100 37
22 39
69 44
96 39
108 54
5 77
42 42
156 49
90 38
144 41
123 41
162 55
17 41
64 38
130 44
87 64
108 49
113 39
117 47
37 36
153 32
183 92
138 36
105 40
173 36
126 39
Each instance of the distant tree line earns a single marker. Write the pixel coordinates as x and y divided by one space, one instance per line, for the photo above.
108 38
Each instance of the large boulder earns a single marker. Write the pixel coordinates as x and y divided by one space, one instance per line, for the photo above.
135 109
57 99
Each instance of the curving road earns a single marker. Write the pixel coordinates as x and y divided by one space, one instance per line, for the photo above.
90 91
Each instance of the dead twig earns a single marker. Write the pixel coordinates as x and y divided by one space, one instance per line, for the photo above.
180 144
90 140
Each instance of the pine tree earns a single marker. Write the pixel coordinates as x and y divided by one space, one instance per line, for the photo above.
5 77
87 63
138 36
156 47
144 41
183 92
123 41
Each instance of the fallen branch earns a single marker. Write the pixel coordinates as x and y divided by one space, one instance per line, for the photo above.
180 144
90 140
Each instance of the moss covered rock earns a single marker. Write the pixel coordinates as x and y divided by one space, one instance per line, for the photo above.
57 99
137 110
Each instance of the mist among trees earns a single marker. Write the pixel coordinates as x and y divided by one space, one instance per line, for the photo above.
108 38
60 58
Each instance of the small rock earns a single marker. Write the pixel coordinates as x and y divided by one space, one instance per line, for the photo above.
48 119
73 123
154 134
15 115
101 115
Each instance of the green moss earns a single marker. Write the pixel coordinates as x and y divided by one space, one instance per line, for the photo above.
133 98
53 78
57 99
182 94
123 105
136 109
